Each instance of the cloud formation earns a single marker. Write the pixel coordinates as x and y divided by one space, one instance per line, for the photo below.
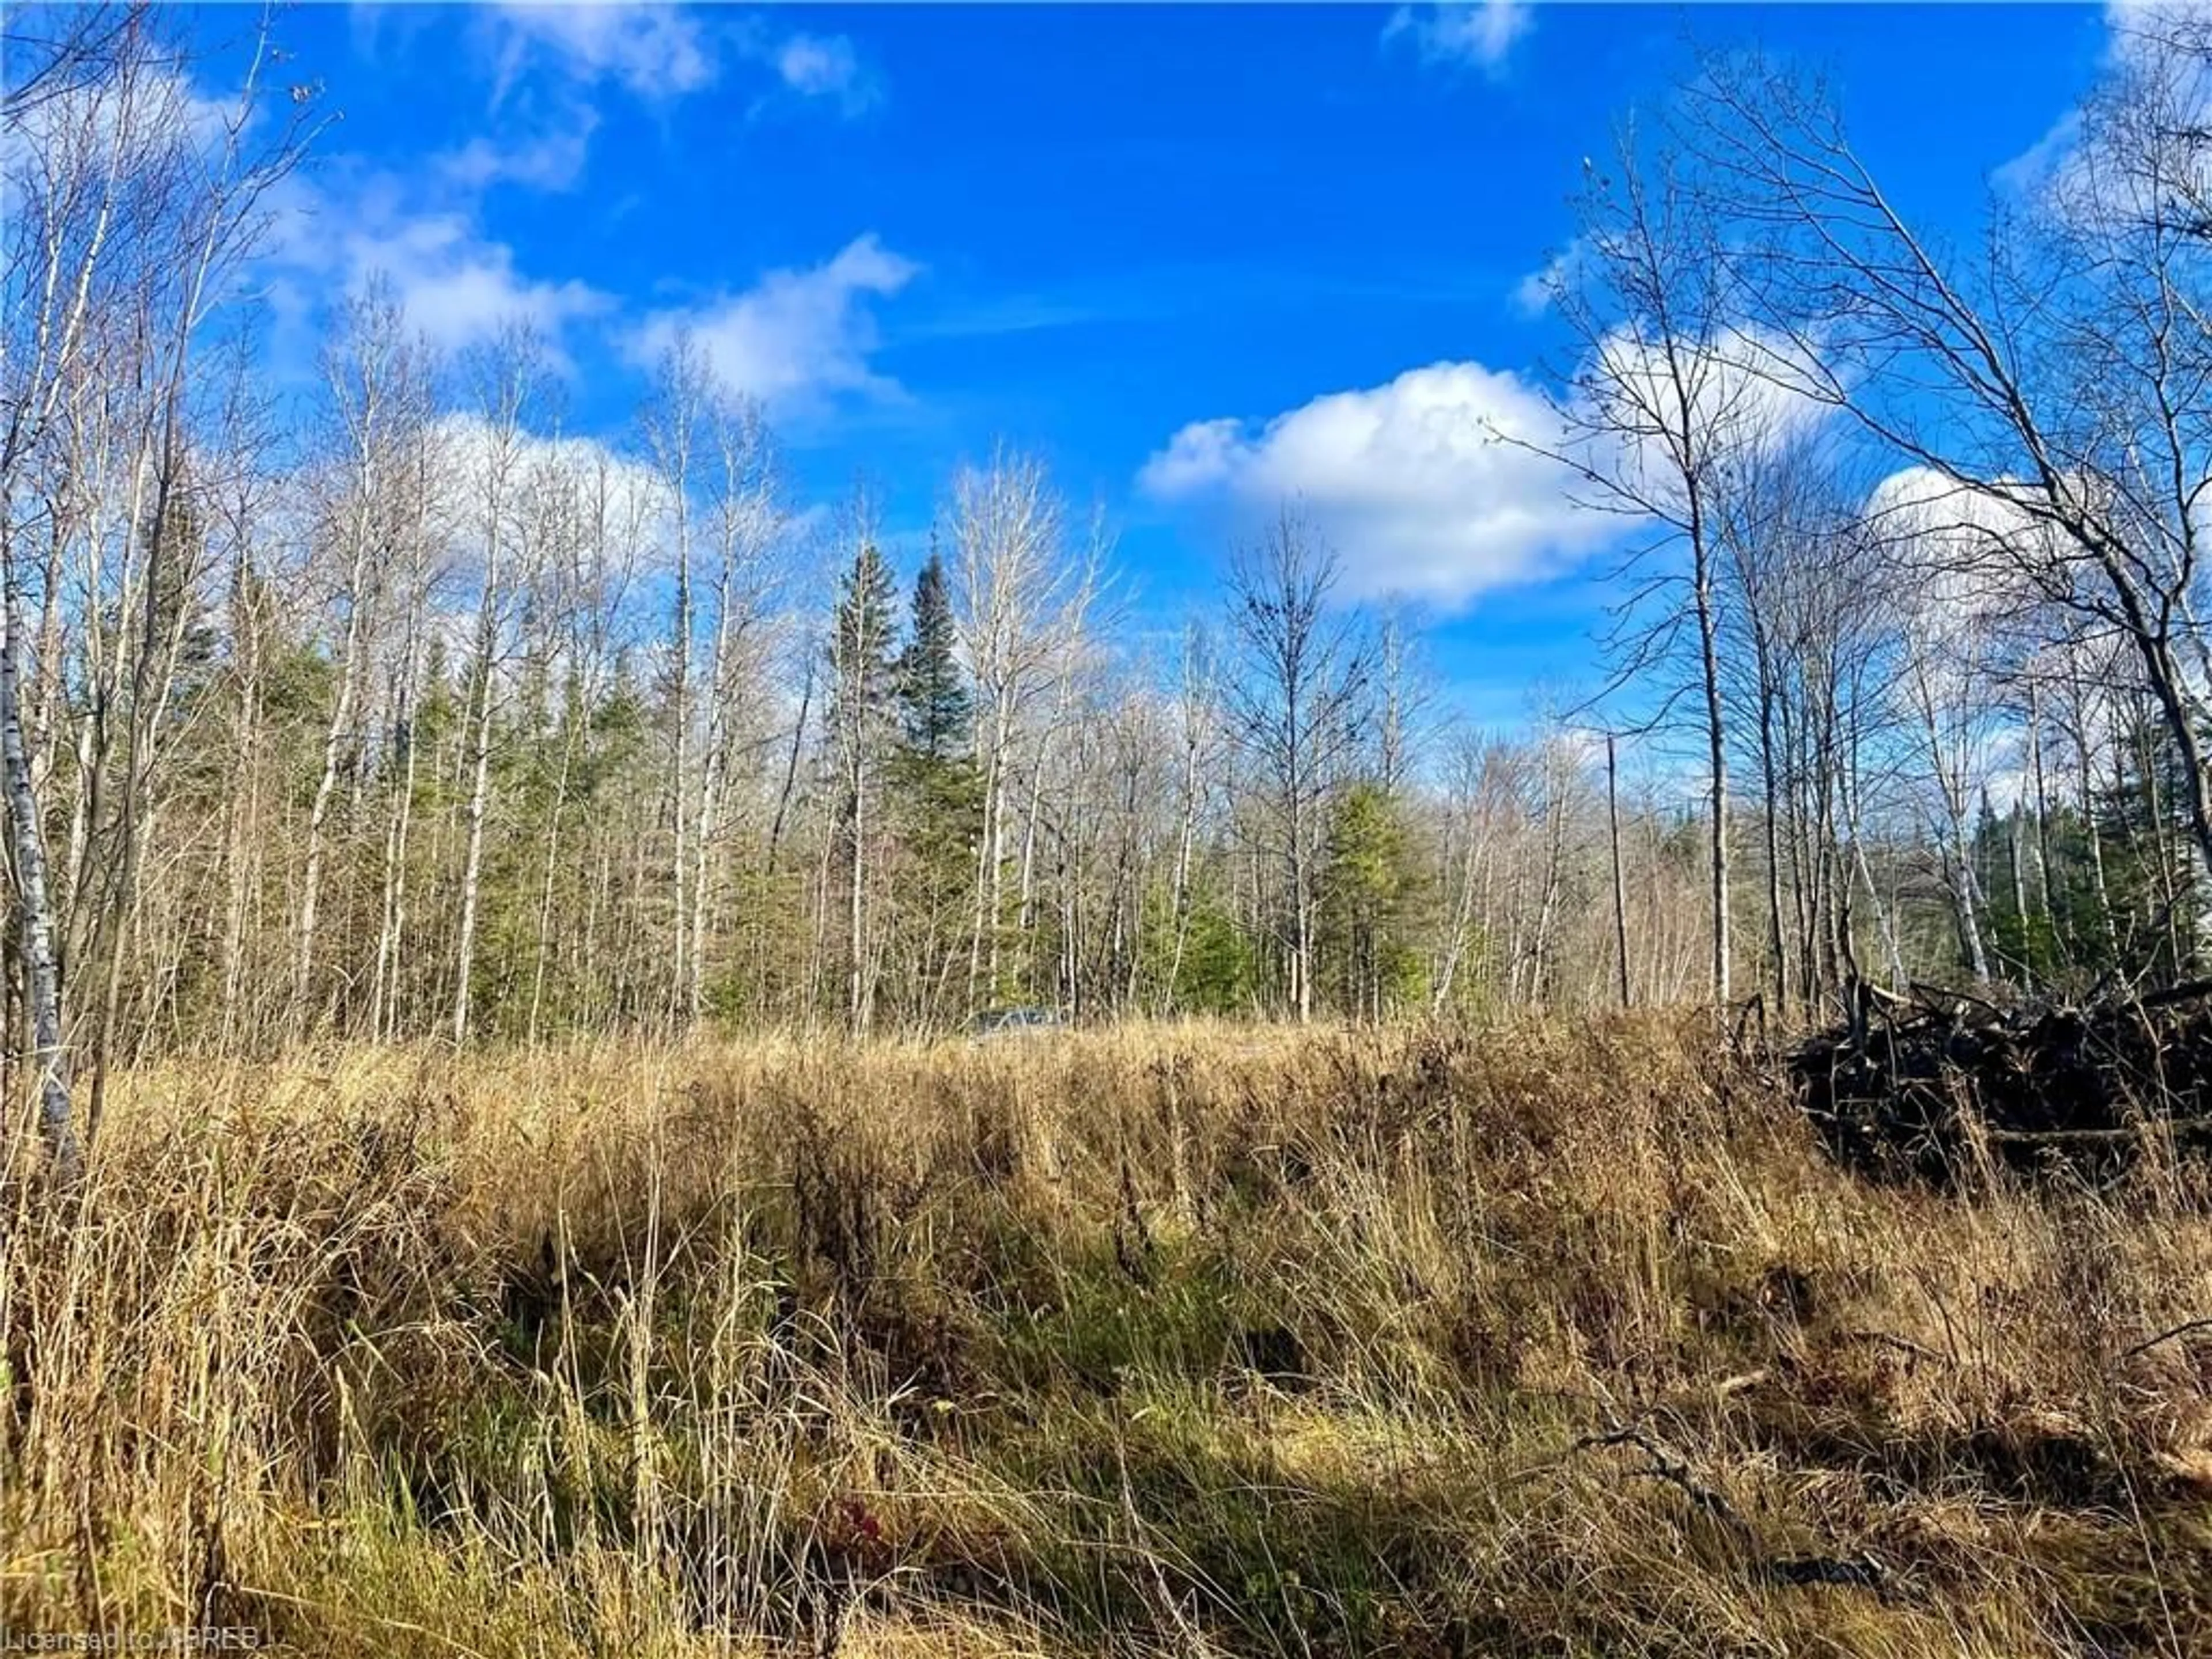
2158 46
1968 553
823 69
1454 33
1430 486
661 54
1746 389
549 160
1451 481
456 285
798 338
654 52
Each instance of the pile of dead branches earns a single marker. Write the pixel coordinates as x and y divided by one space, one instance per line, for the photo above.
1931 1084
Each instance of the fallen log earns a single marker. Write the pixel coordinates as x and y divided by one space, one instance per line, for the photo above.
2179 1129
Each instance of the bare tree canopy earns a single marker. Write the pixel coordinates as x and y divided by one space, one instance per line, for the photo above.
405 707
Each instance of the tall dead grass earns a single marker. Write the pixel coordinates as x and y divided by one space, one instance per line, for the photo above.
1557 1340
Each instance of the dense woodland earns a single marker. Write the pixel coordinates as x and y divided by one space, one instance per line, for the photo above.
383 706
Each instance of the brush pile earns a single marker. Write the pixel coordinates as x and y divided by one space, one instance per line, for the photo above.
1930 1084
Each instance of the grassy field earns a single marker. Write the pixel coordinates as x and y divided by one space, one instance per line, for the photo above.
1561 1339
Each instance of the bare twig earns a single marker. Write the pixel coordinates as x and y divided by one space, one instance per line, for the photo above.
1904 1345
1862 1570
1666 1465
2187 1327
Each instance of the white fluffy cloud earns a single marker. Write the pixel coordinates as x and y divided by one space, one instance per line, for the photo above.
1480 34
661 54
2158 44
817 65
456 285
1428 486
1444 484
824 68
552 160
553 60
797 338
1967 554
1962 561
1748 389
632 495
654 51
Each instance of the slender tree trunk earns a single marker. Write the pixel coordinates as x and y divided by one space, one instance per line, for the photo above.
391 905
679 760
2092 830
2161 862
1853 785
336 738
818 955
1301 922
479 752
241 810
1774 809
553 823
990 861
1024 913
2046 906
1555 837
2169 687
790 767
856 1011
391 909
1716 731
472 858
702 845
1619 885
2017 855
35 919
1185 838
50 689
1463 909
1967 890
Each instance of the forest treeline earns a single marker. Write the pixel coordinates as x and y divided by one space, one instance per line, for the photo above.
387 707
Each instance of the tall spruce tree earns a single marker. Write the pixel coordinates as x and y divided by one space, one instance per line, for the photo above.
936 711
941 789
864 672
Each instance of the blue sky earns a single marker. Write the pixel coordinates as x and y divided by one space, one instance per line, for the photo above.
1195 256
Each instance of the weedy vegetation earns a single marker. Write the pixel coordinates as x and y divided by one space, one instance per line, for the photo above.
1561 1338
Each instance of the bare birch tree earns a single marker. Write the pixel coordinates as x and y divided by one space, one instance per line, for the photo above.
1019 598
2078 412
506 377
1299 704
1666 395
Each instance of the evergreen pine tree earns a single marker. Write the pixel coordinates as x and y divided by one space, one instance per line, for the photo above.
940 789
862 669
937 713
1371 897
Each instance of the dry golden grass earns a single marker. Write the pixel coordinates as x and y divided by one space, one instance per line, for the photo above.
1177 1340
